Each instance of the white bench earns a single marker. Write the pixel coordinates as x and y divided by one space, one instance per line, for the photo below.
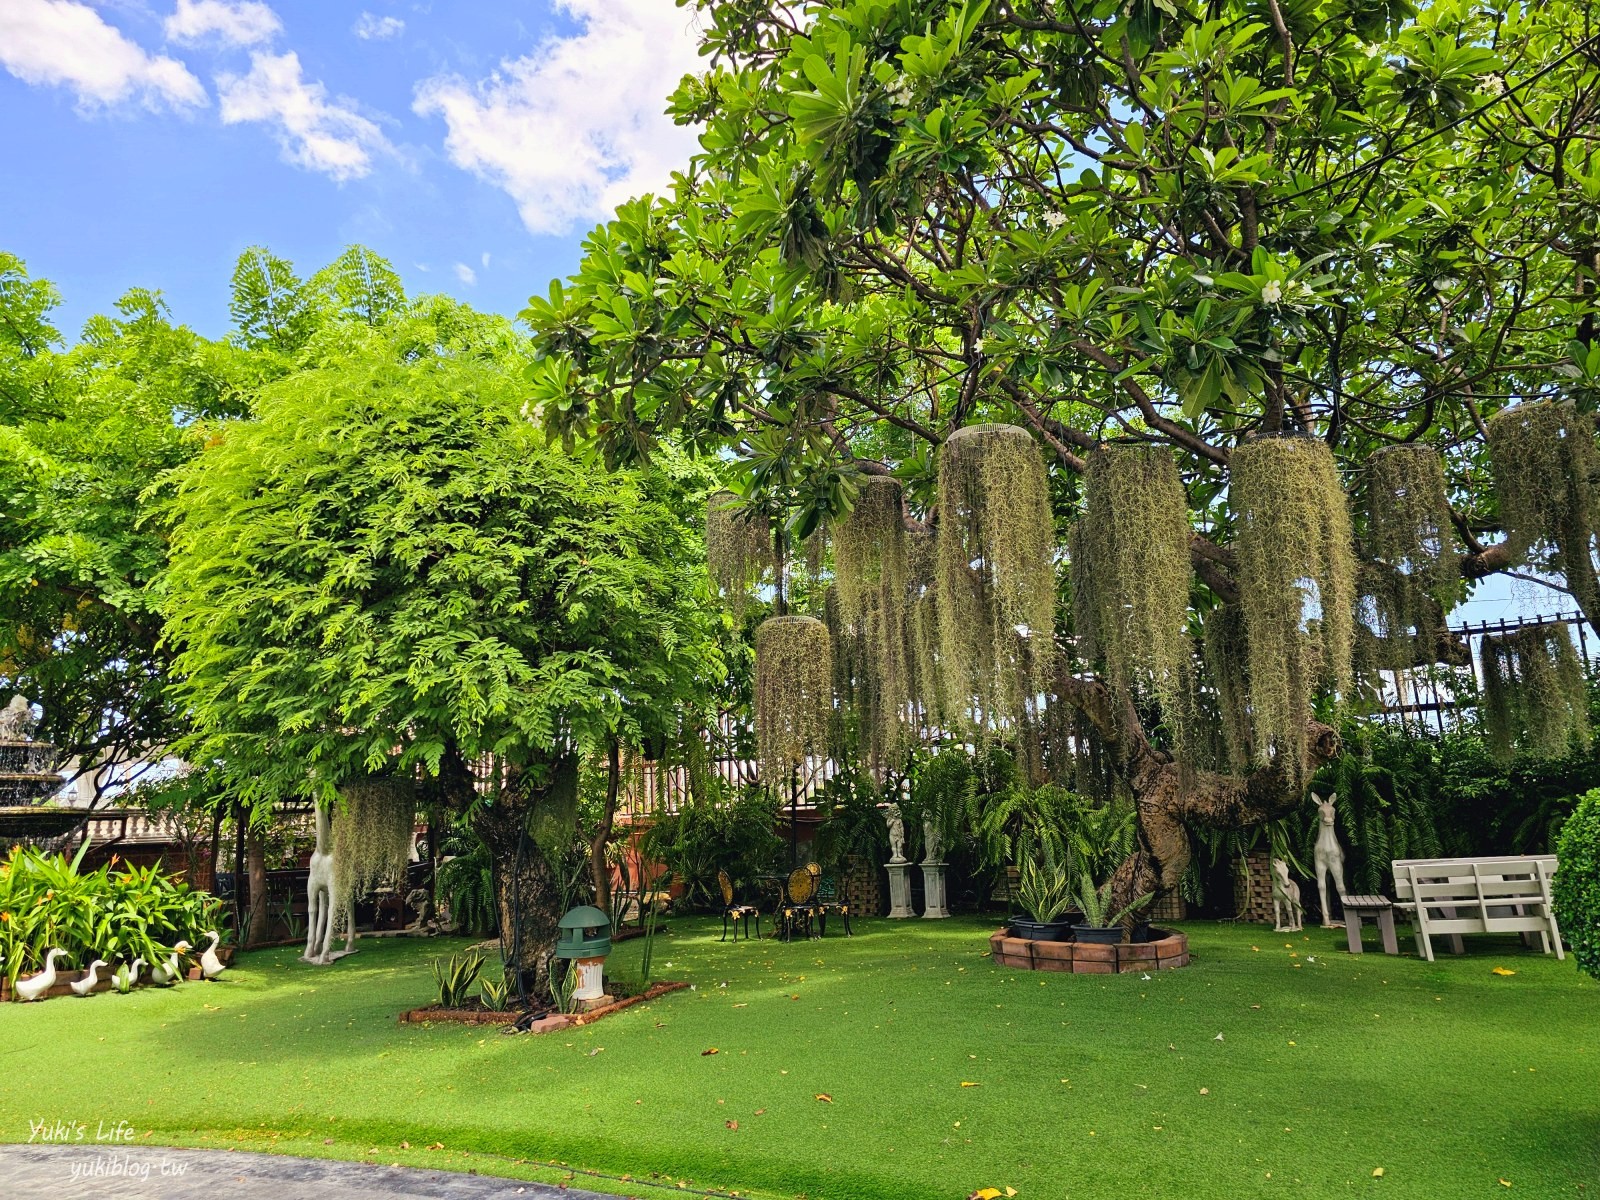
1452 896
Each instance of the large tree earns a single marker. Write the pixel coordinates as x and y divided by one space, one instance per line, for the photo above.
1195 229
388 571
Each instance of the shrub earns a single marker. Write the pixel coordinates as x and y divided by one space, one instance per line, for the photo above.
137 912
737 835
1577 883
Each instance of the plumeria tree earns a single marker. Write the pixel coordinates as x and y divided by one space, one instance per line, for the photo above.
1278 290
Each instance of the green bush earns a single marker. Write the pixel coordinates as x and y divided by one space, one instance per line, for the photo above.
738 836
138 912
1577 884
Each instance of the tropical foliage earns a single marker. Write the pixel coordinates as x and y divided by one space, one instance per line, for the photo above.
48 902
1577 885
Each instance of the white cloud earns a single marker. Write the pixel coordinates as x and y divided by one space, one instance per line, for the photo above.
233 22
372 28
485 260
67 44
317 133
466 274
578 125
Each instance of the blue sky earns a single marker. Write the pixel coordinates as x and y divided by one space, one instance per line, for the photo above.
148 142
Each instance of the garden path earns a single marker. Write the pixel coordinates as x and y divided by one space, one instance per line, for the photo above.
80 1172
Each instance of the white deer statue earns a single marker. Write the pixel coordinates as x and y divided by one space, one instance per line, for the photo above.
1286 907
322 907
1328 861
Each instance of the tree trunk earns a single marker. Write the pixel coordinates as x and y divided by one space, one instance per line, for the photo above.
256 859
527 889
1169 799
598 867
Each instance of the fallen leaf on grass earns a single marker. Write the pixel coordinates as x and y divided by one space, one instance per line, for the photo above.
759 1111
733 1125
824 1097
1502 971
964 1083
713 1050
1205 1091
741 1006
405 1145
1505 1183
1377 1172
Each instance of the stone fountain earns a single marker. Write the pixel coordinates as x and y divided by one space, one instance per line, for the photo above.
28 780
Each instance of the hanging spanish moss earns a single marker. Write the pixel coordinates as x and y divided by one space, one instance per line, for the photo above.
1545 467
924 678
372 835
996 573
1535 698
1132 575
1410 533
738 547
1297 576
794 693
1227 661
870 588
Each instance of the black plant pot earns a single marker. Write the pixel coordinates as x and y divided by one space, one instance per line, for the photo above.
1041 931
1100 935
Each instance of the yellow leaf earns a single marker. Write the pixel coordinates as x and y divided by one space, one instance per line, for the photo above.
964 1083
1011 1191
985 1194
1505 1183
824 1097
712 1050
1377 1172
1502 971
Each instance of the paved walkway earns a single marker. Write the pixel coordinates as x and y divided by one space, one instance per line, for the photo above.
156 1173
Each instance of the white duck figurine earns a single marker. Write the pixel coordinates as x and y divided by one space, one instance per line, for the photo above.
38 985
170 971
82 987
210 965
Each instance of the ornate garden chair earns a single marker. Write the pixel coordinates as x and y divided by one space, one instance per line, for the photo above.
736 911
799 902
826 900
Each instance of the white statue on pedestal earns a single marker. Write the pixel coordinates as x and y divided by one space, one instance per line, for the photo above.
1286 906
897 833
930 839
1329 860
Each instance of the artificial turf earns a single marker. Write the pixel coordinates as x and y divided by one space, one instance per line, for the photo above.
942 1072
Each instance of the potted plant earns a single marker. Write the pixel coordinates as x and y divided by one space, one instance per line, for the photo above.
1044 893
1098 924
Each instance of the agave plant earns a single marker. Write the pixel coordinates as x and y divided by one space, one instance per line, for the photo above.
456 978
1095 903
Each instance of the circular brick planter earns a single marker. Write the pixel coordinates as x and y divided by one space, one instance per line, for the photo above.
1166 950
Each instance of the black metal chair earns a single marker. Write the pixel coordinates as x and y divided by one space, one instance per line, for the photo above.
826 900
799 903
738 912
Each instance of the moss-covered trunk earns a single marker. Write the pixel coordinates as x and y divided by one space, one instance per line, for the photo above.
527 889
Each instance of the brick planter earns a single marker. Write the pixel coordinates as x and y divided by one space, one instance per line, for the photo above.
1167 950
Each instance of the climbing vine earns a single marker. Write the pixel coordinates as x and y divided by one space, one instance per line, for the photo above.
794 693
1535 697
996 573
1297 575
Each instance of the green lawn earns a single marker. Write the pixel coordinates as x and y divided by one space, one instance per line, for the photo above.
1448 1077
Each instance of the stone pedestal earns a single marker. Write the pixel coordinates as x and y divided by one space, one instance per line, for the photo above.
590 973
933 889
899 890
